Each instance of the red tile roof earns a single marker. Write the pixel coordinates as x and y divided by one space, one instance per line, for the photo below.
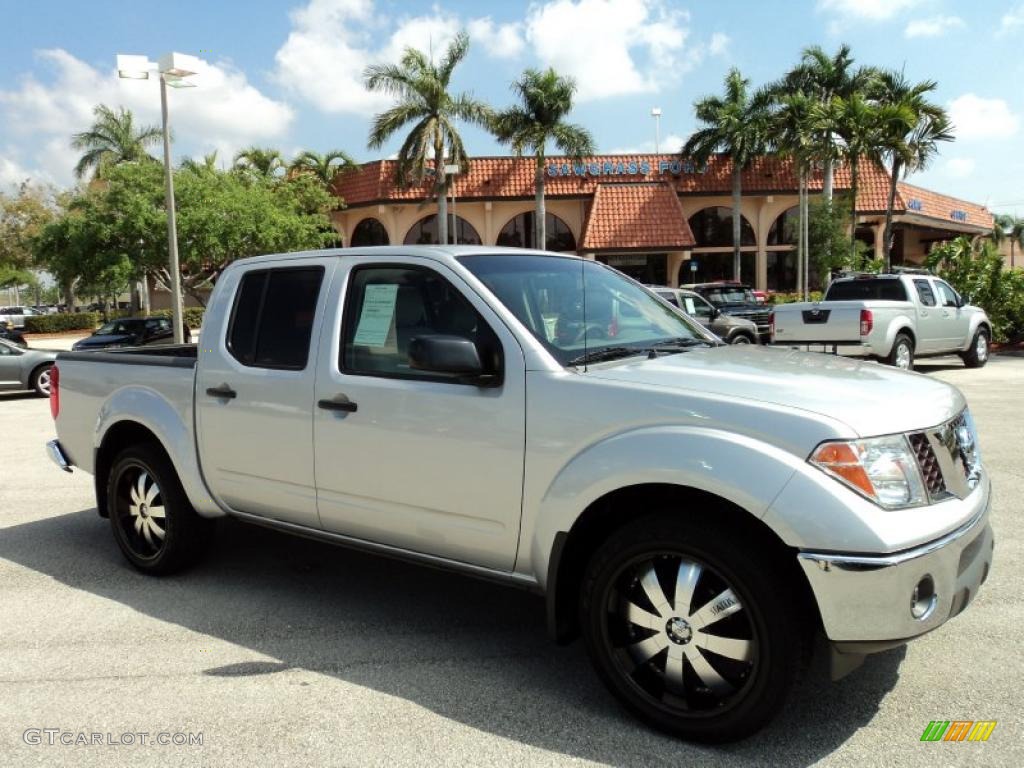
924 202
491 178
644 215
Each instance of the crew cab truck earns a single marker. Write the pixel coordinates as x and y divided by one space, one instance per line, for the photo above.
893 318
699 512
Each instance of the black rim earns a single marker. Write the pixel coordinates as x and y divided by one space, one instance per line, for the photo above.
680 634
140 510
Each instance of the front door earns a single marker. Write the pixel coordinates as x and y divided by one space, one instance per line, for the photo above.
254 390
955 322
929 319
418 461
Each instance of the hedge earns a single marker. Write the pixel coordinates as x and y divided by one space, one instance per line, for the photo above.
73 321
193 315
789 298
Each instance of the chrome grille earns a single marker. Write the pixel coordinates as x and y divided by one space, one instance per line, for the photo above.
929 464
948 458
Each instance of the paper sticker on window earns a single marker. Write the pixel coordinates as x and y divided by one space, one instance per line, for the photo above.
375 319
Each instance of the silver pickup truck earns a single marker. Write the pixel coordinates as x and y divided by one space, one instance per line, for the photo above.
893 318
698 512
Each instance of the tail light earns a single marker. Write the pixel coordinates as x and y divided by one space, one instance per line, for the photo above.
54 392
771 324
867 322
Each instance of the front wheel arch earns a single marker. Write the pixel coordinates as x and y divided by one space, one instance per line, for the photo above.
607 514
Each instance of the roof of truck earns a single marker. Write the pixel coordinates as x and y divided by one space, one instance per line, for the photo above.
441 252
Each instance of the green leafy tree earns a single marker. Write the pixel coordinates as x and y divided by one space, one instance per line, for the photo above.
545 100
113 138
429 110
207 165
828 240
738 125
908 144
23 214
262 162
323 167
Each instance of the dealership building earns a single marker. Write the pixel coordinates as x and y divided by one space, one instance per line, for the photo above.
658 218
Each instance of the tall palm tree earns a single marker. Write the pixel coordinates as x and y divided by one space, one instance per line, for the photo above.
736 124
539 119
863 124
1011 228
323 166
261 161
909 146
207 165
825 77
425 103
113 138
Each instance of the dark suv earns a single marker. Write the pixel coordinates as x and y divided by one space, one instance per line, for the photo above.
738 300
129 332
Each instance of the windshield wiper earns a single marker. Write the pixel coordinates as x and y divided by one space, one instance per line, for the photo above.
680 344
607 353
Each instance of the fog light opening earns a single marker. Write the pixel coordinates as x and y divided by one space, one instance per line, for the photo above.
923 599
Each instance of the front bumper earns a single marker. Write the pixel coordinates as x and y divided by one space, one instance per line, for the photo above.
867 602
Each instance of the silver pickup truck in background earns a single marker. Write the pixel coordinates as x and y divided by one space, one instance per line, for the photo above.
893 318
698 512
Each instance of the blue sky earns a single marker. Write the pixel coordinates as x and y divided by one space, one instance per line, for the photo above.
287 74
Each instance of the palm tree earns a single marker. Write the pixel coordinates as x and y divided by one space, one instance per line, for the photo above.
1012 228
207 165
113 138
324 167
824 78
910 146
539 119
260 161
424 102
736 124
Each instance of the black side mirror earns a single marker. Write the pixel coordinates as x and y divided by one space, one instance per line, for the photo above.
457 355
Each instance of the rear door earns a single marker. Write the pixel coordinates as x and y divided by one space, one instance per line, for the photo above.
930 332
418 461
254 389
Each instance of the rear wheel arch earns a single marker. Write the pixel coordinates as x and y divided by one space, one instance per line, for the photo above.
601 519
118 437
903 330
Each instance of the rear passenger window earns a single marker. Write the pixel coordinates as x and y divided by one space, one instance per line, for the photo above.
924 292
272 321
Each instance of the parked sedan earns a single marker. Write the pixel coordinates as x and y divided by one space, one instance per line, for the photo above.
8 333
25 368
128 332
734 330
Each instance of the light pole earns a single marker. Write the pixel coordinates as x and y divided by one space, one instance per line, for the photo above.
656 114
172 69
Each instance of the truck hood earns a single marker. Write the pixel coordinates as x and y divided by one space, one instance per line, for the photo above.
868 397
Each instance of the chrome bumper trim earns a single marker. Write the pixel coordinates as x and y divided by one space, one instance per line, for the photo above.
56 454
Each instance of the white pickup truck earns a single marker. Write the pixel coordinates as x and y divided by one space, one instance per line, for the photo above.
698 512
894 318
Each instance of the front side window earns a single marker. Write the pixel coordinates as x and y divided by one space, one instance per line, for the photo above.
924 292
947 294
576 307
698 307
272 320
386 307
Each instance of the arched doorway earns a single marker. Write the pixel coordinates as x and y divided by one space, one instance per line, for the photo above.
782 260
369 231
712 253
518 233
424 232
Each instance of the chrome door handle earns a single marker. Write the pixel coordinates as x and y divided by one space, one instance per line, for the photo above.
223 391
338 405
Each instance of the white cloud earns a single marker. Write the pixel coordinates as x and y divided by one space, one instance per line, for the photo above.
504 41
960 167
332 42
12 173
872 10
612 47
975 117
1013 19
718 44
224 111
934 26
667 145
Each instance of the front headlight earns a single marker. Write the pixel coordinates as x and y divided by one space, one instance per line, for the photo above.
882 468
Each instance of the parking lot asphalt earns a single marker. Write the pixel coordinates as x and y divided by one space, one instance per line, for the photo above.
288 652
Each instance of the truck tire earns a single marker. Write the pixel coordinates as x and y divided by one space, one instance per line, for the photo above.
156 528
645 637
902 353
40 381
742 338
977 354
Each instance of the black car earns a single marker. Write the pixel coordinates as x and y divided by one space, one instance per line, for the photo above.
738 300
8 333
129 332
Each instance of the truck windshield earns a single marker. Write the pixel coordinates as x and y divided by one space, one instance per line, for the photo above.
869 289
578 308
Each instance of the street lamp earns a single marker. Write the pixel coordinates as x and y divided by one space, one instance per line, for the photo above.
656 114
172 68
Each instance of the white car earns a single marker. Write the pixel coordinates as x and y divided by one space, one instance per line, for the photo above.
16 315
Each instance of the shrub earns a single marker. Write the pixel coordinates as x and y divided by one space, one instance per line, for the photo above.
193 316
793 296
73 321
